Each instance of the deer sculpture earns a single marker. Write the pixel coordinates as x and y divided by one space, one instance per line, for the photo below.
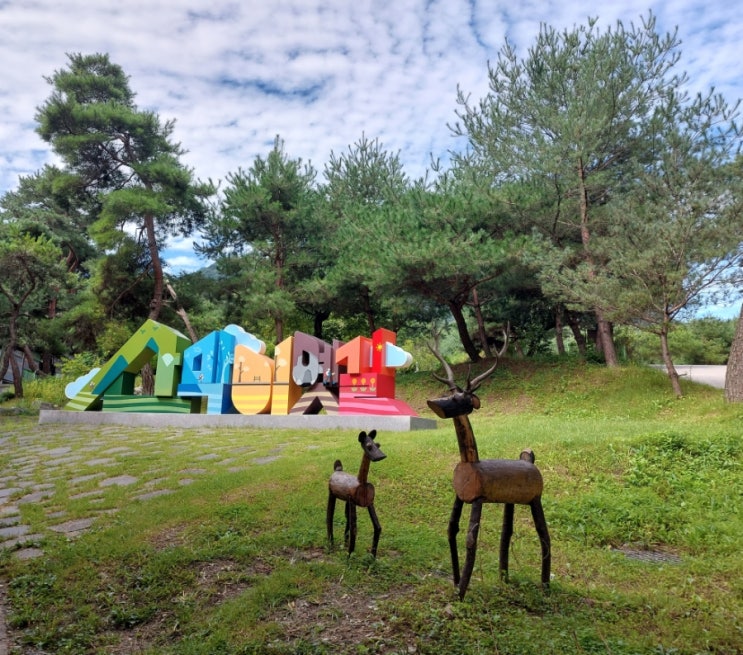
356 492
476 481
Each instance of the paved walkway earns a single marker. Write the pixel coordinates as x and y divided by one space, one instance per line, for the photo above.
48 465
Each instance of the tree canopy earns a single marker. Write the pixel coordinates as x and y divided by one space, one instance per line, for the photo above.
593 192
124 158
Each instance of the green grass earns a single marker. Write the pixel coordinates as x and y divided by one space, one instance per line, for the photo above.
235 559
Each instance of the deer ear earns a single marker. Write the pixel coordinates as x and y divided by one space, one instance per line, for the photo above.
373 434
475 402
362 437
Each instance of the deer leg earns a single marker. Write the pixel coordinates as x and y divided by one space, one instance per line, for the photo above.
351 507
347 530
472 533
377 529
505 540
456 514
329 516
544 538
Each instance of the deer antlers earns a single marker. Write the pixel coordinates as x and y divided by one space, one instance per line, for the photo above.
472 384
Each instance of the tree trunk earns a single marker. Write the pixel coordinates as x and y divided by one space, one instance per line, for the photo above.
279 327
559 341
17 374
464 335
604 329
734 375
4 362
29 356
182 313
11 346
47 364
481 324
148 376
670 368
368 309
580 339
319 319
148 380
157 268
606 340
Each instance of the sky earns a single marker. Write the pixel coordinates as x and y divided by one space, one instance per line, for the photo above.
234 74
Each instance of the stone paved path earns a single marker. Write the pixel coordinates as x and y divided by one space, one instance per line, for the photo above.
46 466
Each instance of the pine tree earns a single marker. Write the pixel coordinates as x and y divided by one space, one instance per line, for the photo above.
124 158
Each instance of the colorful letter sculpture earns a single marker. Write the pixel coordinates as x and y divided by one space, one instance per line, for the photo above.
229 368
111 388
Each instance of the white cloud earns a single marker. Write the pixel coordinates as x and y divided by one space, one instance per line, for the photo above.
234 74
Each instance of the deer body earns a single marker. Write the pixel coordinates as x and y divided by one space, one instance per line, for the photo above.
510 482
355 491
498 481
354 488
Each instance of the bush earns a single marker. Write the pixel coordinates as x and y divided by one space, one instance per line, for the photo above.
702 341
44 390
82 364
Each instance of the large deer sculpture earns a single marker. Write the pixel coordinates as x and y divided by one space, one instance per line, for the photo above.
356 492
476 481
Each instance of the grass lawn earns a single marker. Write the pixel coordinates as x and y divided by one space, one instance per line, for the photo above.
209 542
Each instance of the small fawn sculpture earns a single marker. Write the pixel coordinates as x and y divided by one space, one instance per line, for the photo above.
355 491
479 481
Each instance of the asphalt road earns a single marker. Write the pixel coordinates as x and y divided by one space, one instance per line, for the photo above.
714 376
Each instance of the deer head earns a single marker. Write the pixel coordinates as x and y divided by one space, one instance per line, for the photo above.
459 401
371 448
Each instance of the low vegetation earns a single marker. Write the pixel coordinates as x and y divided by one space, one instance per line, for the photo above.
643 498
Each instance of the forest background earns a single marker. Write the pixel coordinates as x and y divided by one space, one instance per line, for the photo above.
596 210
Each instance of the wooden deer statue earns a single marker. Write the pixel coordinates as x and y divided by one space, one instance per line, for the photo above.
355 491
476 481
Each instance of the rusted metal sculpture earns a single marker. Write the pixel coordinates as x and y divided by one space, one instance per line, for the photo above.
478 481
356 492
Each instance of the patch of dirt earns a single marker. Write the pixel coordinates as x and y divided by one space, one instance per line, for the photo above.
216 582
341 620
655 556
220 580
345 622
169 537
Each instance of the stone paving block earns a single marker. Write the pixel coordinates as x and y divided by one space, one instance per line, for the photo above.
265 460
154 494
13 531
85 478
23 539
56 452
54 463
100 461
75 526
35 497
87 494
118 481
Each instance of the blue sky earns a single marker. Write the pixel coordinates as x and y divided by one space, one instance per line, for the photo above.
233 74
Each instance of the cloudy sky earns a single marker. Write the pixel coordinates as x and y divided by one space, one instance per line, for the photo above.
233 74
